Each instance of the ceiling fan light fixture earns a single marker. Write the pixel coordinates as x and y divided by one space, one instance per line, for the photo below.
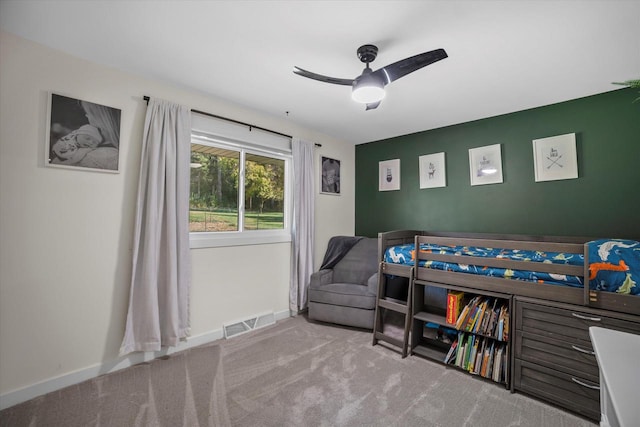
368 89
367 94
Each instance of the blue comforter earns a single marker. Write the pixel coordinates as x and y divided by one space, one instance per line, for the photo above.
614 265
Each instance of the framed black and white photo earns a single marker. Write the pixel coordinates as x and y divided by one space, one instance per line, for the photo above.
555 158
82 135
432 171
330 176
485 165
389 175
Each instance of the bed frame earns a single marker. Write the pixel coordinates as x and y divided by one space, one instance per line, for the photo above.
582 297
549 351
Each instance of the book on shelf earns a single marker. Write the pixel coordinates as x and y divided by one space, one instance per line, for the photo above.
487 316
491 358
462 346
493 321
477 365
505 329
461 317
503 324
452 352
467 310
485 362
497 365
467 355
478 323
472 354
473 314
454 306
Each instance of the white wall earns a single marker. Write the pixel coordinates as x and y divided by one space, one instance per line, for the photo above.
65 235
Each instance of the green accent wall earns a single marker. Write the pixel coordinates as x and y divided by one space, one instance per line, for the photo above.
604 201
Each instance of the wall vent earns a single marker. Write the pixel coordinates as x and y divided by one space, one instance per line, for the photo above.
254 322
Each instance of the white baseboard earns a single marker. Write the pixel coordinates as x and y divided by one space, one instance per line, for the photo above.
15 397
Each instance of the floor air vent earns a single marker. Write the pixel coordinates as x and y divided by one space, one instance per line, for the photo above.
246 325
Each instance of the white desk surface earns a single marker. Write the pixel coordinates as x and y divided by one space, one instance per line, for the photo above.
618 355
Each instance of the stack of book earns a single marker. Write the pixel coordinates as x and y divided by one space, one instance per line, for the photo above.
483 330
485 316
479 355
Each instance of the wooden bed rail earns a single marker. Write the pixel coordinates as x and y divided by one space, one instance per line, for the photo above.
566 244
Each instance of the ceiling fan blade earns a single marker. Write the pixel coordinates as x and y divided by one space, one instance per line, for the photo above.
304 73
372 106
401 68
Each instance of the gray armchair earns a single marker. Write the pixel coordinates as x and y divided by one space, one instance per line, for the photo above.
344 290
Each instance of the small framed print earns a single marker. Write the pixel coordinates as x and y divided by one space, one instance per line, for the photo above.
389 175
82 135
432 171
555 158
330 176
485 165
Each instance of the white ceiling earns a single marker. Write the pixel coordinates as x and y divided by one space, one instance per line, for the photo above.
504 56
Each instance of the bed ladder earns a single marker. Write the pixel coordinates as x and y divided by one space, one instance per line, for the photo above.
383 303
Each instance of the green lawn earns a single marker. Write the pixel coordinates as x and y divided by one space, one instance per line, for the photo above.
228 220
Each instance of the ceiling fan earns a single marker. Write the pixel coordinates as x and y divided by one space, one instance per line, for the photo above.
368 87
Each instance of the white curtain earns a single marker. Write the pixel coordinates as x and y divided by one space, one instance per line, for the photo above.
159 298
303 223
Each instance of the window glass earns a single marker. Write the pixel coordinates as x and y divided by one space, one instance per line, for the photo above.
239 193
263 193
213 204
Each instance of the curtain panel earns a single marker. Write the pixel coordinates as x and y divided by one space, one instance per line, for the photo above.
158 314
303 223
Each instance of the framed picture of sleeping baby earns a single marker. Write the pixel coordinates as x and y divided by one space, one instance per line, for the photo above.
82 135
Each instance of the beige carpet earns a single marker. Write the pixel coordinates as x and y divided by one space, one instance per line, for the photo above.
296 373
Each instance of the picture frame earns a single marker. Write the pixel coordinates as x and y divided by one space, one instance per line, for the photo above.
82 135
329 176
432 170
485 165
555 158
389 175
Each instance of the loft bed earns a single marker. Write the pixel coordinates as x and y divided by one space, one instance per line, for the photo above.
602 274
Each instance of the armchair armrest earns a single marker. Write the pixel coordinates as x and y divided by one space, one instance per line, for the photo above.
372 284
321 278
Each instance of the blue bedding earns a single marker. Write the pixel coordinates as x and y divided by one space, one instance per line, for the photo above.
404 254
614 264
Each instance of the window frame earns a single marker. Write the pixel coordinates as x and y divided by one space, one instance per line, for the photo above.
242 237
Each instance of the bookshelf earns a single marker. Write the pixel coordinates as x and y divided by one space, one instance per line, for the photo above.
470 330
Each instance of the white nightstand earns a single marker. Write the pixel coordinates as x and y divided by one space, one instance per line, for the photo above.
618 355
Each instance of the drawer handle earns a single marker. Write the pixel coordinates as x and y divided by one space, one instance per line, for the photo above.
593 387
593 319
582 350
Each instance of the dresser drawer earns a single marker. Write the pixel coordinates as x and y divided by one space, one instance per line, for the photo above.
560 355
568 391
566 322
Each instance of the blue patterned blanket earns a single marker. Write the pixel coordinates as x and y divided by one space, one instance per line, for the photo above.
404 254
614 265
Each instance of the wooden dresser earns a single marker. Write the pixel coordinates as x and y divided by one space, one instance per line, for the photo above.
553 355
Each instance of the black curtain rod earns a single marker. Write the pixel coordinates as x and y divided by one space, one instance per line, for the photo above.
146 98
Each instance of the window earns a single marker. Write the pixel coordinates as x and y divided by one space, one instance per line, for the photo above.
239 193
